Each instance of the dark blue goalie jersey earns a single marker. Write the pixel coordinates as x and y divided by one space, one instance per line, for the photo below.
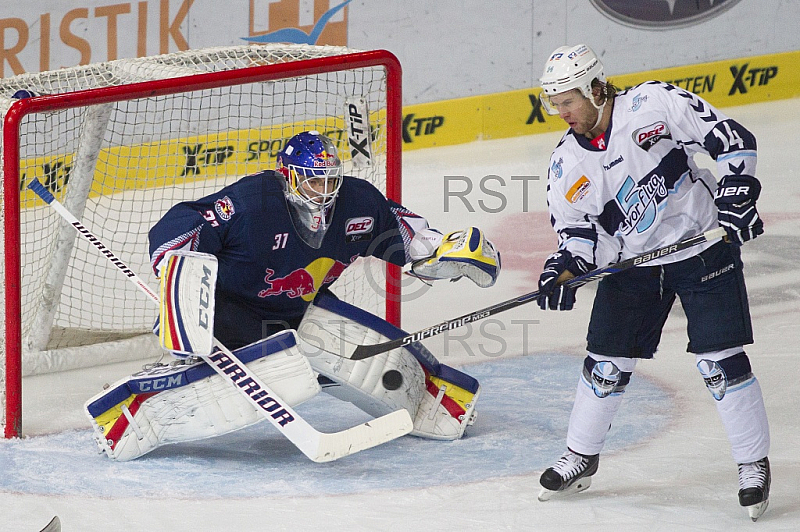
267 273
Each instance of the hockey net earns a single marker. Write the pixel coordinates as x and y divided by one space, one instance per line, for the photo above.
119 143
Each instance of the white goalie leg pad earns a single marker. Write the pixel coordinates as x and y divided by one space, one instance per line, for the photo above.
440 399
184 402
361 382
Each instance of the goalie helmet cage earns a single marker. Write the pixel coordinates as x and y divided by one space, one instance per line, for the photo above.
120 142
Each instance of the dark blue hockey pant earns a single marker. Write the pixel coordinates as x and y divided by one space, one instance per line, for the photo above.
631 306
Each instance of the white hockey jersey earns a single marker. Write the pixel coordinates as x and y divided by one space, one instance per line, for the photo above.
644 190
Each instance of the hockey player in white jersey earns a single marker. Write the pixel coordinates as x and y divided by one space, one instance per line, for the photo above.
621 182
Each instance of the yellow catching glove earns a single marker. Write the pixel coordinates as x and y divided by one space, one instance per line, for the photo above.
465 253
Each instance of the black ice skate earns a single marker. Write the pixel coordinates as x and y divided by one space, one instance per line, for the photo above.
570 474
754 480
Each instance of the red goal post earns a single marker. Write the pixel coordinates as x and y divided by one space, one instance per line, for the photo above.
120 142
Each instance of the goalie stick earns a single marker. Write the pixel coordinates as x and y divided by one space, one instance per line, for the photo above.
365 351
318 446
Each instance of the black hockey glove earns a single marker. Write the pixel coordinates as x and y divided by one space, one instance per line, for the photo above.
558 296
736 200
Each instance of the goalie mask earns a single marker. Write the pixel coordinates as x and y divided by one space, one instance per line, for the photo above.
313 173
568 68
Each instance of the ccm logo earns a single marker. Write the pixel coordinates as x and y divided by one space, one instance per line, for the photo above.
160 383
205 298
358 226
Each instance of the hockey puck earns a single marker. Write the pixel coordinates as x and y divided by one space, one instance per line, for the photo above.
392 379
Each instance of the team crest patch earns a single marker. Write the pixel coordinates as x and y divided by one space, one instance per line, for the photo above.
714 377
637 102
605 378
557 170
359 229
579 190
224 208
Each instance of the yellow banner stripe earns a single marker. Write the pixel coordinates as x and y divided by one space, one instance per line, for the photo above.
180 161
514 113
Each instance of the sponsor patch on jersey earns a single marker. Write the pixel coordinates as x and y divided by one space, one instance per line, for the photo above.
224 208
359 229
647 136
579 190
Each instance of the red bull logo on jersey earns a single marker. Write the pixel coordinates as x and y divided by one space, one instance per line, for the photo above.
224 208
303 282
298 283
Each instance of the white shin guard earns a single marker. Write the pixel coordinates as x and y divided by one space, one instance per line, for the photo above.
597 400
739 402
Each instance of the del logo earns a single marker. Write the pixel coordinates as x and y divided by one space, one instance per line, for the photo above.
359 229
579 190
224 208
647 136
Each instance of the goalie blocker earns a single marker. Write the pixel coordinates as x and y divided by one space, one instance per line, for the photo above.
186 308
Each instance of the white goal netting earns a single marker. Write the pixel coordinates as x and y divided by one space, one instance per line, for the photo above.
121 162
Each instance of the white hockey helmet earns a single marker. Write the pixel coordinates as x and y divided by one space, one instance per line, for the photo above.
567 68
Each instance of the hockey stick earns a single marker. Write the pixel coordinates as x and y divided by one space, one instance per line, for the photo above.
318 446
365 351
